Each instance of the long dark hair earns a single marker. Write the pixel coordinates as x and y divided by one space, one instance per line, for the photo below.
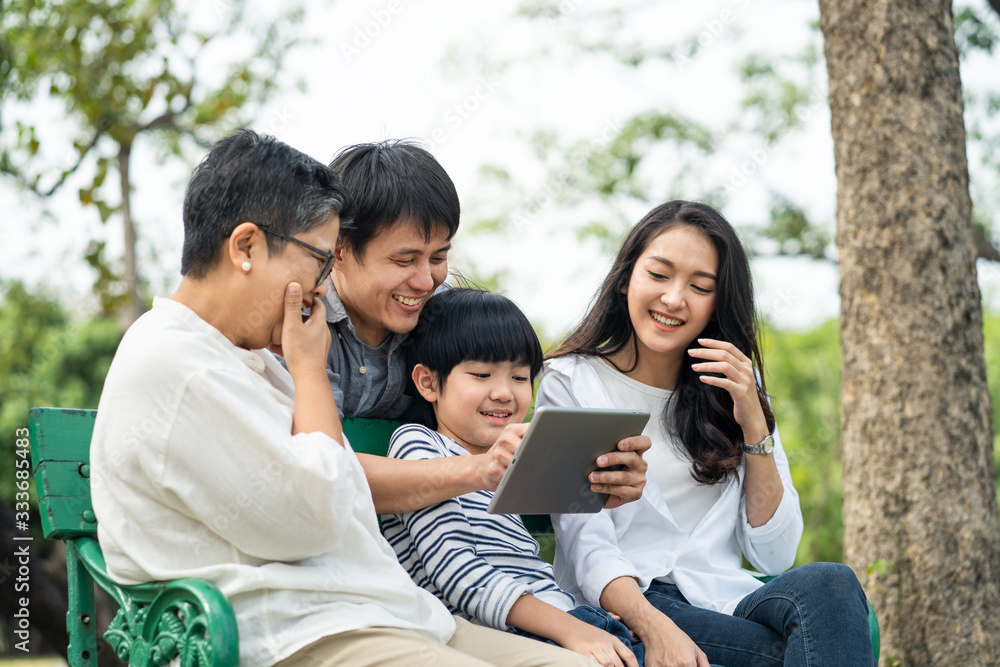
698 415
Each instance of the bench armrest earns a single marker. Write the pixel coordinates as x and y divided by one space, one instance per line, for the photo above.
188 619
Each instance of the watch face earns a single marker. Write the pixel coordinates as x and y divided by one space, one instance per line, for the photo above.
765 446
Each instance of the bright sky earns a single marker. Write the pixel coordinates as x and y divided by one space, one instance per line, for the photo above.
473 81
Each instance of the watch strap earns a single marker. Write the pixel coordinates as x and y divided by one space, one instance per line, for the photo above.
765 446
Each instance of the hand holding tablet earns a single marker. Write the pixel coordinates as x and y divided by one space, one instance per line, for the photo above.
549 471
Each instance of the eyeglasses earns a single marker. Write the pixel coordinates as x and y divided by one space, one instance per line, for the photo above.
327 256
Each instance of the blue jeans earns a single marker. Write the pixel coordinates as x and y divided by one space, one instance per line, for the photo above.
813 615
599 619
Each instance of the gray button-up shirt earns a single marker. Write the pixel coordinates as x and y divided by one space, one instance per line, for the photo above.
367 381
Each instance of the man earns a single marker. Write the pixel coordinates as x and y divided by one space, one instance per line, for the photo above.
388 261
212 461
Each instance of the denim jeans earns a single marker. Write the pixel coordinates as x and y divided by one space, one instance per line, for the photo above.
599 619
814 615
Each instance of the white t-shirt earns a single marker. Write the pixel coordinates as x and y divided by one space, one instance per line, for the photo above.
689 501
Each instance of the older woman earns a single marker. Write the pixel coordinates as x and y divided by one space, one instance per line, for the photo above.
212 461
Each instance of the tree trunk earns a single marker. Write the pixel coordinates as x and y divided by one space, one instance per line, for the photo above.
920 507
132 308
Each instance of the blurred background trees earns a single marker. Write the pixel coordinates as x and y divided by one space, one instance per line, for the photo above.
129 71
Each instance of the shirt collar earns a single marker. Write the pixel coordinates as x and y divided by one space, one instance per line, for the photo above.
335 311
254 359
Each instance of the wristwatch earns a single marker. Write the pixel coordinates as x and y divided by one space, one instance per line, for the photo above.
765 446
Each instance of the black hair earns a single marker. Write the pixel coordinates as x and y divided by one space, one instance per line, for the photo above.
461 324
250 177
699 415
391 180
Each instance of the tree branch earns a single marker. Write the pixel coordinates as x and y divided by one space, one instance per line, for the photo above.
985 249
32 186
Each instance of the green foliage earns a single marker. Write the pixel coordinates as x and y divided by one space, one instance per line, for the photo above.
124 69
803 379
658 154
794 233
975 30
46 359
991 347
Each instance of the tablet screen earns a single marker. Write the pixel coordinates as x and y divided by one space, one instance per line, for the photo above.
548 474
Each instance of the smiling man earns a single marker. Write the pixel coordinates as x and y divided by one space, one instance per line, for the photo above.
389 259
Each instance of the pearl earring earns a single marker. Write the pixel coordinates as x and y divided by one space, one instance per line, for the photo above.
246 266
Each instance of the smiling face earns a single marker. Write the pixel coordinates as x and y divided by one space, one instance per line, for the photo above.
671 298
477 400
385 291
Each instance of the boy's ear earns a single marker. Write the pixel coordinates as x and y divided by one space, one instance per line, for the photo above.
426 382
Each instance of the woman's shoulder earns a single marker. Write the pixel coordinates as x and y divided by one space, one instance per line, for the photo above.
564 364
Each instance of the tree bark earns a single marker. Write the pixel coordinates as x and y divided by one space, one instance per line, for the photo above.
920 506
132 308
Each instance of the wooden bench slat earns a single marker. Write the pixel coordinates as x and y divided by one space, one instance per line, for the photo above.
59 434
67 517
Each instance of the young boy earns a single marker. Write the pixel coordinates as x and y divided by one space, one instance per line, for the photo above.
473 357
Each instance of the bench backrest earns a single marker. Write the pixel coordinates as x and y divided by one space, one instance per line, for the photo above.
60 455
60 452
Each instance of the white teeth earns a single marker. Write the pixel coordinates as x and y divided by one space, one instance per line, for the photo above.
496 414
666 321
407 301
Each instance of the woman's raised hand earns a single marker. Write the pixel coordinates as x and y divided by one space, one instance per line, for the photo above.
305 344
737 377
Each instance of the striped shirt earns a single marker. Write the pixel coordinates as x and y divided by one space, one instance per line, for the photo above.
477 563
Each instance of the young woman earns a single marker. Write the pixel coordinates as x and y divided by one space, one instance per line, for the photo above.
673 330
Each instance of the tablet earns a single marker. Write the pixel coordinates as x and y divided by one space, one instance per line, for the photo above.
548 474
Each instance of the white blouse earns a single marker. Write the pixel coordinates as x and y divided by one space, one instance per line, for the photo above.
644 540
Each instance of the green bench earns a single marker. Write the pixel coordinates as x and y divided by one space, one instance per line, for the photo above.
185 619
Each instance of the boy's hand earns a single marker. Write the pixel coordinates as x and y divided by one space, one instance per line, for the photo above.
304 344
493 464
625 483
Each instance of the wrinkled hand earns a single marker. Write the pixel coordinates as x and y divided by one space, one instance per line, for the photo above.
493 464
738 379
304 344
625 485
